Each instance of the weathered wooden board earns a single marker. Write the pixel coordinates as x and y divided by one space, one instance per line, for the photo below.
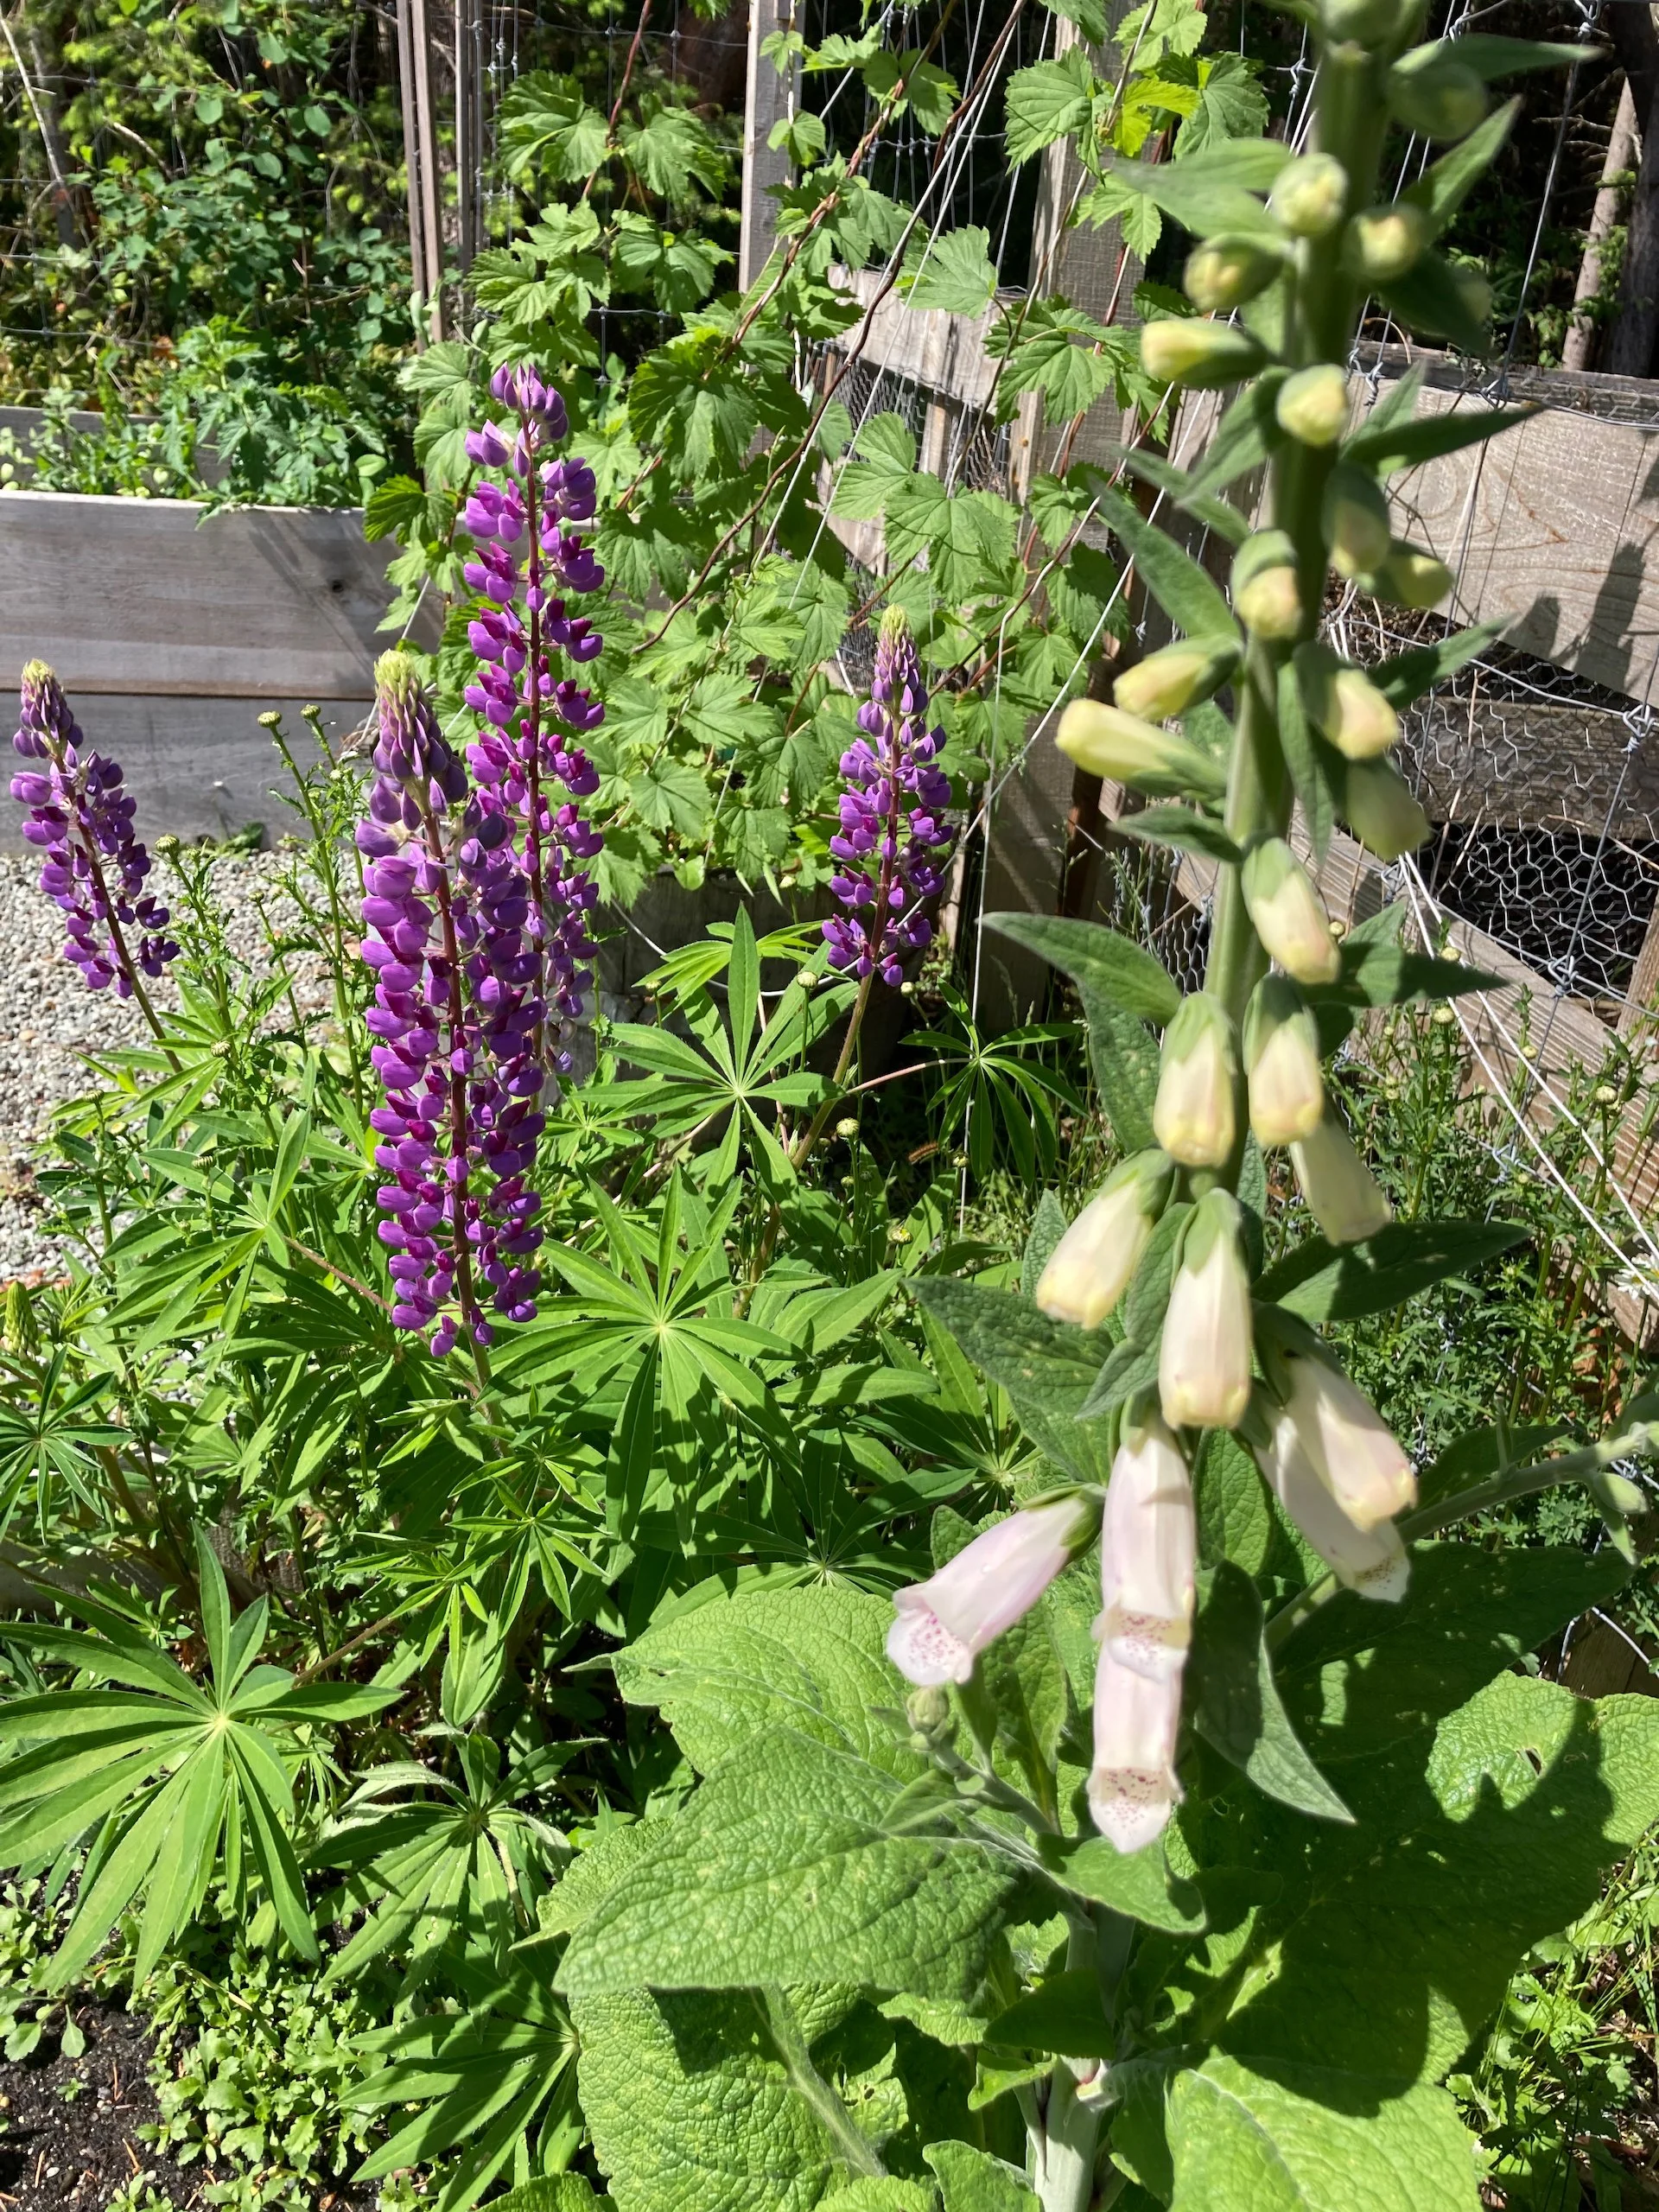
149 596
197 767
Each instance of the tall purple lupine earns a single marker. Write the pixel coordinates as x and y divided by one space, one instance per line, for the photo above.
478 897
94 867
893 836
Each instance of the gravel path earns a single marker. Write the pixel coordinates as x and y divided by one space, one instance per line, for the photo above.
48 1020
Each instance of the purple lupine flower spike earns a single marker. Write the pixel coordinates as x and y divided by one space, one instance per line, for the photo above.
893 838
94 867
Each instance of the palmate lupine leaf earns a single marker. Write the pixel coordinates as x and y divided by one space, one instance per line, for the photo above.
171 1778
53 1440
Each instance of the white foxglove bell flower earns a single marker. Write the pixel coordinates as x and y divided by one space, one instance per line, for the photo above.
1348 1444
1148 1550
1288 914
943 1624
1194 1115
1132 1785
1281 1063
1371 1562
1092 1264
1204 1362
1342 1194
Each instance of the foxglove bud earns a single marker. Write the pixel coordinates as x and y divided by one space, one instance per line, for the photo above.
1410 578
1288 914
1313 405
1133 1788
1106 741
1181 675
1356 521
1281 1063
1380 810
1433 93
1224 272
1371 21
1341 1193
1371 1562
1194 1116
1345 705
1385 242
1204 1362
1092 1264
1148 1548
1347 1444
943 1624
1476 292
1201 356
1309 196
1266 591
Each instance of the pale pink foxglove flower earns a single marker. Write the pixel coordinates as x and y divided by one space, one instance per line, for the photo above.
1371 1562
943 1624
1341 1192
1347 1443
1204 1362
1281 1063
1091 1267
1288 914
1194 1117
1133 1788
1148 1549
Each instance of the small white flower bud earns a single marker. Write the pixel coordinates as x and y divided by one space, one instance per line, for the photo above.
1106 741
1433 93
1341 1193
1169 682
1267 592
1224 272
1203 1361
1385 242
1309 195
1381 811
1345 705
1347 1444
1094 1262
1186 350
1356 521
1194 1117
1281 1063
1288 914
1313 405
1371 1562
1410 578
1369 21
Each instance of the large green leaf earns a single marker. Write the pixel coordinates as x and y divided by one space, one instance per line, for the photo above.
780 1871
1236 1704
1098 960
1244 2142
810 1660
973 2181
689 2110
1186 592
1329 1282
1047 1368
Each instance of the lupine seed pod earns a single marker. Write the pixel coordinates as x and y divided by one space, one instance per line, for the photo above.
1094 1262
19 1336
1433 93
1133 1787
1383 243
1194 1117
1380 810
1342 1193
1370 1562
1313 405
892 840
1281 1063
1310 196
943 1624
1149 1547
1356 521
1179 676
1410 578
1344 705
1106 741
1224 272
1201 356
1348 1444
1267 590
1288 914
1203 1358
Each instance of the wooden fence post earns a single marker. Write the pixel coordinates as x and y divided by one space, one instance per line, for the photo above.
769 98
421 160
